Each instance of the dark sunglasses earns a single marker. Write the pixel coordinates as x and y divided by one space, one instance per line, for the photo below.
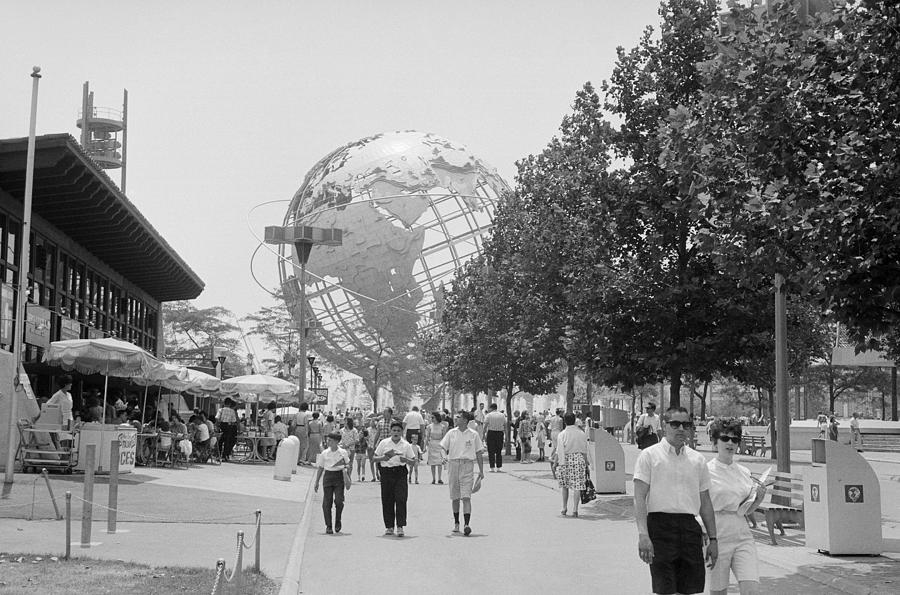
687 425
734 439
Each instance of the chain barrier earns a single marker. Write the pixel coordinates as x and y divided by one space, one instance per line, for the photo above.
151 518
220 568
256 529
32 503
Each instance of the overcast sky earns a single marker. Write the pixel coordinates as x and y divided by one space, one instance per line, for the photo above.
231 103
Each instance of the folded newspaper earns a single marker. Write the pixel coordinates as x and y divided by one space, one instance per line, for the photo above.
751 497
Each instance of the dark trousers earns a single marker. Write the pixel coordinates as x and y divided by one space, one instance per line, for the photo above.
333 494
495 448
229 439
394 493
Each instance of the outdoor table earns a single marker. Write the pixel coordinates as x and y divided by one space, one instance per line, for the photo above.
146 449
253 442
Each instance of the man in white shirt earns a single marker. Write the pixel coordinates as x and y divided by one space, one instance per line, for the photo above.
332 463
494 426
413 422
647 427
462 446
671 487
479 418
393 454
301 431
63 398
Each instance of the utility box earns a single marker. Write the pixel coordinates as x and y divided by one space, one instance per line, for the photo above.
609 463
841 501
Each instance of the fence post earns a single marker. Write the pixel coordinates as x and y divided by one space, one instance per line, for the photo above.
256 562
113 486
88 499
68 524
220 572
52 497
239 565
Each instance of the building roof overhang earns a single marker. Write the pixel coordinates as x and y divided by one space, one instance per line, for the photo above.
75 195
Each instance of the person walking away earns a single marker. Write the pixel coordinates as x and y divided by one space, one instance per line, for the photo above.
833 428
572 462
671 487
333 462
315 427
228 423
647 428
361 447
557 425
413 422
464 448
494 426
414 467
371 443
301 431
540 437
733 495
855 435
63 398
279 432
393 454
525 432
434 433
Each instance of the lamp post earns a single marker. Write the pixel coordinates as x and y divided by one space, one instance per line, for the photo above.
303 238
221 359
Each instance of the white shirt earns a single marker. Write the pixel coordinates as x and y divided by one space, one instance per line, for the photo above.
64 400
647 420
462 445
570 441
202 432
329 459
479 415
413 421
729 485
495 421
402 447
675 480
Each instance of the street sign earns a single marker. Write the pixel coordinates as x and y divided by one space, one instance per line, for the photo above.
321 396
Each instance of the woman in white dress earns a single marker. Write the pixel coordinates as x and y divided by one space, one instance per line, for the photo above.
734 493
433 435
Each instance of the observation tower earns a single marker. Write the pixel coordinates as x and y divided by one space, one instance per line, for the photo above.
100 130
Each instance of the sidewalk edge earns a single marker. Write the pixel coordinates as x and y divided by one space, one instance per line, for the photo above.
290 583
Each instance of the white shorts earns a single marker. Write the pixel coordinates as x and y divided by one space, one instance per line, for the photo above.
737 553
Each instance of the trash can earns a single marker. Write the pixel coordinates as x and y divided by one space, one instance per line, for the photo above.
841 501
609 463
286 458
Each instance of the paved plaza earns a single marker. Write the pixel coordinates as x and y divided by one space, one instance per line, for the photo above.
519 542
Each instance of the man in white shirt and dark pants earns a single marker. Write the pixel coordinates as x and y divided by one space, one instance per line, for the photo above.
332 463
463 447
494 426
412 424
671 487
393 454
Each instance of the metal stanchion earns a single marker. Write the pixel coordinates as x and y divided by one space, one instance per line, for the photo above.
256 562
68 524
88 500
52 497
113 486
239 565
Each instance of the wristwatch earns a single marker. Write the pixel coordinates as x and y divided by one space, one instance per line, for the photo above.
714 539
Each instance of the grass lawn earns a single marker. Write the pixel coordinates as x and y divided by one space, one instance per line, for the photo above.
25 574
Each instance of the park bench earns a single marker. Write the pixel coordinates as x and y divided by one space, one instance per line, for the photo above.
754 445
783 504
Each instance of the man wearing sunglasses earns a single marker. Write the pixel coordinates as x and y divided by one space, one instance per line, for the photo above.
671 487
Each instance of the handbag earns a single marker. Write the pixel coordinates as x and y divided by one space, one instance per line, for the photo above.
588 493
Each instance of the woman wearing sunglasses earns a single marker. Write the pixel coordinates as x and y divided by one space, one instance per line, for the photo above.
731 485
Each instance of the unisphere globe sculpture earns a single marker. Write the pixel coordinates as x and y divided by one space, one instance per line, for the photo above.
413 208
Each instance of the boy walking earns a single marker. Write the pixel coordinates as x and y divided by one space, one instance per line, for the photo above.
332 463
463 448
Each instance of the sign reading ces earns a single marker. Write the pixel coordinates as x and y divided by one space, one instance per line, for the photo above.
321 396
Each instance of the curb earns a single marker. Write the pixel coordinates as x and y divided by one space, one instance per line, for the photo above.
822 577
290 583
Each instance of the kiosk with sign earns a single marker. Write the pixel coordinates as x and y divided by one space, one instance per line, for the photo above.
609 463
841 501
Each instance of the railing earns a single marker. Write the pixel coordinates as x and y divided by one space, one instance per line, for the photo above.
107 113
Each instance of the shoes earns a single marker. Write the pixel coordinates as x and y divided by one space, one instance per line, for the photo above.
456 528
563 512
389 531
417 481
373 479
329 531
441 481
337 527
400 532
575 514
433 482
467 531
499 470
410 481
363 478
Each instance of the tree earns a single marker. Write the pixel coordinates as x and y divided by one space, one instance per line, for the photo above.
197 337
274 326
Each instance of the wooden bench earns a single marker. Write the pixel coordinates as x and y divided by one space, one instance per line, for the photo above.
783 504
754 445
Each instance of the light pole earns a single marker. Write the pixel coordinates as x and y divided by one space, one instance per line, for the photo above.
302 238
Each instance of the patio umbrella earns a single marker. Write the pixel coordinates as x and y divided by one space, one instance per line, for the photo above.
265 387
108 356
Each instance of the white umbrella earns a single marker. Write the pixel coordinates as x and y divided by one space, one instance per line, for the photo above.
110 357
265 387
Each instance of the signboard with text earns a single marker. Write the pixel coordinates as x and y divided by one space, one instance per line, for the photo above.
37 326
7 316
321 396
69 329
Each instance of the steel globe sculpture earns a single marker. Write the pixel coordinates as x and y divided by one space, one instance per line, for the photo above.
413 207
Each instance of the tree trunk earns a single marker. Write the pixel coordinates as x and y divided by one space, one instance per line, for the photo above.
691 399
675 388
509 396
703 400
570 386
772 432
831 395
631 417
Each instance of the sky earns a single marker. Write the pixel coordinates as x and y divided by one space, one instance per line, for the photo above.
231 103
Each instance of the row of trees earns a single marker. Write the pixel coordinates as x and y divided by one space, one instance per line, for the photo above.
762 142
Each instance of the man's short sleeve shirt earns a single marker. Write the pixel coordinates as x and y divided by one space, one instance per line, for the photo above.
675 480
462 445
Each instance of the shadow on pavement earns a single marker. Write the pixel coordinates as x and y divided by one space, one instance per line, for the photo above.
792 584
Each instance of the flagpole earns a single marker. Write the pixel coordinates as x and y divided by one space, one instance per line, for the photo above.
23 276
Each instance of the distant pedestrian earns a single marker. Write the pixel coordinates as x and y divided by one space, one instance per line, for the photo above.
494 427
671 487
463 447
361 448
434 433
833 428
349 438
301 431
572 462
228 422
413 423
414 466
525 432
393 454
333 463
540 438
647 428
316 433
855 435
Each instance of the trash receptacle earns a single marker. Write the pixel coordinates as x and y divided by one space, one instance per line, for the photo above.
841 501
286 458
609 463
